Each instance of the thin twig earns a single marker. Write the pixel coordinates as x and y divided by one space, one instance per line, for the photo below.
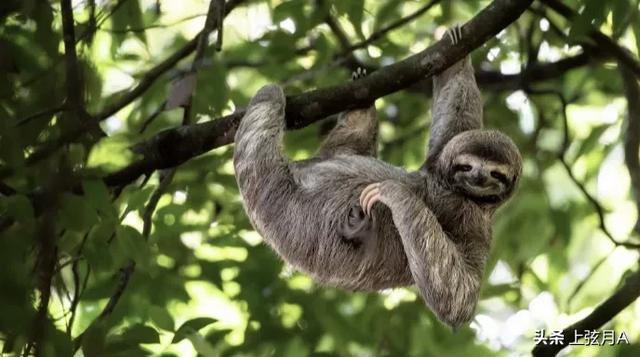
154 26
562 158
58 60
606 43
589 275
39 114
392 26
45 150
152 117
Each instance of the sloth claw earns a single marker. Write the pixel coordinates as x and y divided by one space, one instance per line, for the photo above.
358 73
369 196
455 33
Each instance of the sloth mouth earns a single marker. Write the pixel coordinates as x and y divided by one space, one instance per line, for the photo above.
488 194
480 190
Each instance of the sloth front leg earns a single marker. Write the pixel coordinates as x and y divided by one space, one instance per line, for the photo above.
457 103
447 283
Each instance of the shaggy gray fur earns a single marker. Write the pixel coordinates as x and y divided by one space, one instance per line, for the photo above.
430 231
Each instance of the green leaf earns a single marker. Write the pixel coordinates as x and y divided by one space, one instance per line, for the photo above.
137 198
289 9
93 341
591 141
389 11
127 16
212 92
161 317
98 196
126 343
132 245
18 207
489 291
75 214
592 16
140 333
354 11
190 327
97 247
201 345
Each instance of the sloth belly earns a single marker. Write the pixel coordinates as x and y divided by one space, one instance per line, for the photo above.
327 190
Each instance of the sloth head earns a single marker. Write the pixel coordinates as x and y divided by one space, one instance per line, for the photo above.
484 165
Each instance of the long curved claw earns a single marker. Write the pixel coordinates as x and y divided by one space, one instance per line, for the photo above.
455 33
369 196
358 73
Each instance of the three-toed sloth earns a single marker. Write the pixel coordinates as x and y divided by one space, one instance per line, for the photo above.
433 226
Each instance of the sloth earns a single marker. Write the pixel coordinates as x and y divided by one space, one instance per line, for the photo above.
353 221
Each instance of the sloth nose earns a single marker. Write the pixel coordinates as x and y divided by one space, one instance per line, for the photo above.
480 178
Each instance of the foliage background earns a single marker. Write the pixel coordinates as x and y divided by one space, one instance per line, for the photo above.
202 281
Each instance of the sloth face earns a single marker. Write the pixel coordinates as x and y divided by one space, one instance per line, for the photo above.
483 179
482 164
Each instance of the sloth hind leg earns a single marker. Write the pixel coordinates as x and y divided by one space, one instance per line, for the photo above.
355 133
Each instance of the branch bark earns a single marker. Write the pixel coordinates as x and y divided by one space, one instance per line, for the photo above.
175 146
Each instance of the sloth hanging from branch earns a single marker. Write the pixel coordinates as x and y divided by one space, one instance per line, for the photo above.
353 221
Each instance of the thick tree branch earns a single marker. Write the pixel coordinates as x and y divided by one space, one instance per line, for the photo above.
603 313
175 146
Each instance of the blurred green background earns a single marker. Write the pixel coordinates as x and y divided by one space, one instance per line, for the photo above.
200 282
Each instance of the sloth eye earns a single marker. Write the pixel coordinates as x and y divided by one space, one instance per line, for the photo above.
462 167
499 176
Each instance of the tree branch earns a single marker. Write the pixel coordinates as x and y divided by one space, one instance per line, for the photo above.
392 26
175 146
604 312
145 83
154 73
603 41
600 212
632 135
72 70
211 22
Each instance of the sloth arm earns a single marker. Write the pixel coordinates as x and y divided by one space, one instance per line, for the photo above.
448 279
457 106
